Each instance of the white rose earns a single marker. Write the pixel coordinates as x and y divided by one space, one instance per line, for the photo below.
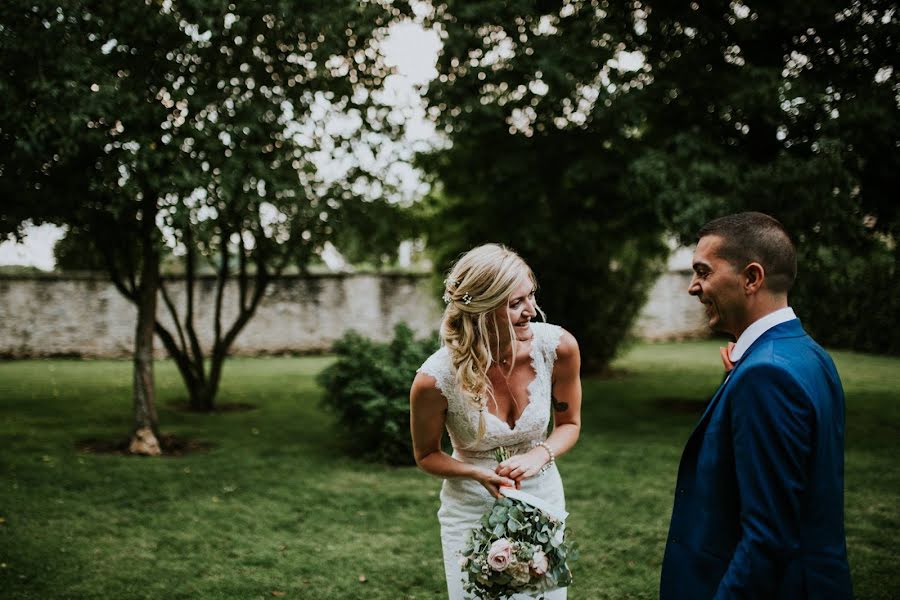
539 563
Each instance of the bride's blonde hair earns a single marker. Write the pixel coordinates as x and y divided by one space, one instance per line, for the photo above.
480 282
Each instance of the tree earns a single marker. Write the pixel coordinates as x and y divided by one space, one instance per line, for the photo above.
540 134
59 152
197 126
266 205
791 110
580 132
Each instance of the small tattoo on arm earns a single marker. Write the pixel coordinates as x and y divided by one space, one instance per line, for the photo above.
559 406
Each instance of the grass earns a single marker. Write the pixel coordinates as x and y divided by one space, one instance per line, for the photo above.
275 507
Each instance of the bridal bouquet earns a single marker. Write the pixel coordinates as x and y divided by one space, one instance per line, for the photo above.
519 547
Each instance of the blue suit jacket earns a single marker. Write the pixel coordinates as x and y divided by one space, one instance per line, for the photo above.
759 502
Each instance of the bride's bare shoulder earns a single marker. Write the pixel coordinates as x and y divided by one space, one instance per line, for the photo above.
567 349
425 389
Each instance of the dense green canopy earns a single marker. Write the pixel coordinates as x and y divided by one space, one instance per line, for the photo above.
200 127
581 132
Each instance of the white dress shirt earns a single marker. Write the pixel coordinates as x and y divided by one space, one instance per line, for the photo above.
759 327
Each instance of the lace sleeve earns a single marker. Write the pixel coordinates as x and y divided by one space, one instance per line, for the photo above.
548 338
437 367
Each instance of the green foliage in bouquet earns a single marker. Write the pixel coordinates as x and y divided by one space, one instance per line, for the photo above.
368 389
517 548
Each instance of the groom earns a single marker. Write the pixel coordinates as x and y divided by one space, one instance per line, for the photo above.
759 501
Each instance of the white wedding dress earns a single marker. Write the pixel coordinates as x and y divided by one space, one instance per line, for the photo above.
463 500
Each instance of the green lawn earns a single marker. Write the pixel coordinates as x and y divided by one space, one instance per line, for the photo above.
275 506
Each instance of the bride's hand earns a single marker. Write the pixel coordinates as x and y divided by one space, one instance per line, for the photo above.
523 466
492 482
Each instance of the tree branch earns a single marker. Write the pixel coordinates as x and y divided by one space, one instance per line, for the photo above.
196 350
174 313
242 277
221 279
261 282
116 277
181 360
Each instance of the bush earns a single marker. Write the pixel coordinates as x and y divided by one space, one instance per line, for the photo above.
368 389
850 298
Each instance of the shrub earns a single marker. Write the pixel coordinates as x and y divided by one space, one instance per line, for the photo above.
368 389
850 298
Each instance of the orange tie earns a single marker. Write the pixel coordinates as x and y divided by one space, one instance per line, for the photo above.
726 357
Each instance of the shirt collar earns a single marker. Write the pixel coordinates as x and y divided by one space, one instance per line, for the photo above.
759 327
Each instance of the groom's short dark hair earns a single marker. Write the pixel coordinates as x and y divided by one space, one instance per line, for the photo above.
756 237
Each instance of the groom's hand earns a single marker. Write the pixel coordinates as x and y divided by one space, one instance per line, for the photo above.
523 466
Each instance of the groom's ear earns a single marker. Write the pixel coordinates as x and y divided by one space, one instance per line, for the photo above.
754 276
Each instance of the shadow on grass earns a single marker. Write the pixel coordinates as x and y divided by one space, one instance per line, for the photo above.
171 445
182 405
680 406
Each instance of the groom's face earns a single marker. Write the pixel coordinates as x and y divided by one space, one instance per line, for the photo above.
717 284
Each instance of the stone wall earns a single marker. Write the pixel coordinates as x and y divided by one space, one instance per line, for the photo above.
86 316
670 312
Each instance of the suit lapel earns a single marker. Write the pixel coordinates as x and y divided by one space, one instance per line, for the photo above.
715 400
787 329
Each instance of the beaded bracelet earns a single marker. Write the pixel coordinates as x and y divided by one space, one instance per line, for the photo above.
549 450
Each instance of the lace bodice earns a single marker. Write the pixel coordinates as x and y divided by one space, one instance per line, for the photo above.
463 416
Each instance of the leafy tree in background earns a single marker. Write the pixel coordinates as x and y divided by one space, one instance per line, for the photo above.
790 109
579 132
540 137
74 251
60 149
197 129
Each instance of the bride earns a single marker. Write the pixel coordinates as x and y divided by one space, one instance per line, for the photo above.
495 382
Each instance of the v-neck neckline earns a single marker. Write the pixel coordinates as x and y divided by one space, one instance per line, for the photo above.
532 362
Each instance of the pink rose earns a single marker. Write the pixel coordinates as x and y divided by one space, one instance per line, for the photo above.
500 554
539 563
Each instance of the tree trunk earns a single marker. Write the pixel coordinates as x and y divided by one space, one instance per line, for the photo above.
185 350
146 425
203 392
201 396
